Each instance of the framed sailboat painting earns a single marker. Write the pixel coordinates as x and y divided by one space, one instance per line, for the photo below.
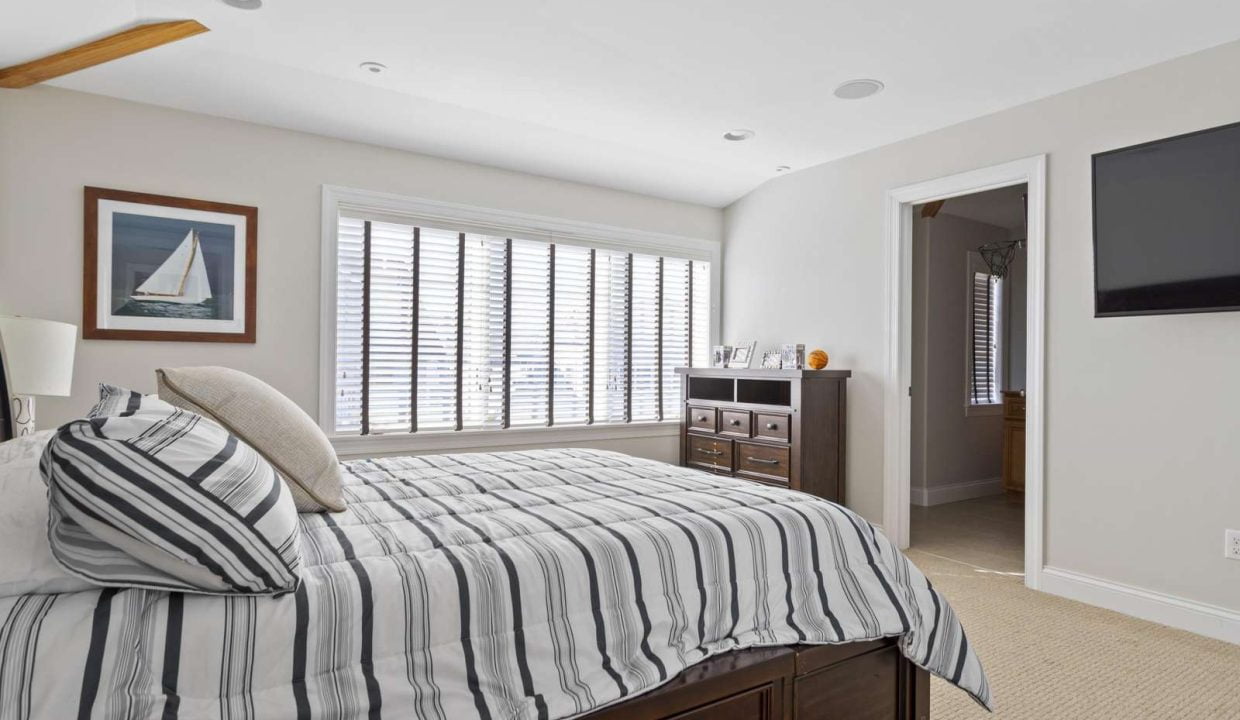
167 268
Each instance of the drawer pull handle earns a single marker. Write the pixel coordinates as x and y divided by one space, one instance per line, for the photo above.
701 418
762 461
736 423
704 451
772 426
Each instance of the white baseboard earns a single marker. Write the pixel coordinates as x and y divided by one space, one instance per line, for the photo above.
1209 620
939 494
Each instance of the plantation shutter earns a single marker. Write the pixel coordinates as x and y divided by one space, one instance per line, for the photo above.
699 343
645 359
390 322
350 284
485 345
676 329
611 336
574 332
529 389
439 300
441 330
983 378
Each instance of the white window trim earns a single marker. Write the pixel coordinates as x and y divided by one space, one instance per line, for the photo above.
460 216
361 446
987 410
973 264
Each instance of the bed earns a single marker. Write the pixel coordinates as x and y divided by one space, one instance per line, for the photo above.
543 584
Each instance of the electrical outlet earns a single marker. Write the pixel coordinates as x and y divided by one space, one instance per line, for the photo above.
1231 547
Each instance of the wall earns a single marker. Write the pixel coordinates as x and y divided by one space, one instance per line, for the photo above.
955 456
1017 315
53 142
1141 458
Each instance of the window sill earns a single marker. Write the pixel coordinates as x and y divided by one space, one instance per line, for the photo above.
350 447
983 410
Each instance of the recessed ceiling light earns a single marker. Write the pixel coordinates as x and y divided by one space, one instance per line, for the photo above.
738 135
373 67
245 4
782 168
857 89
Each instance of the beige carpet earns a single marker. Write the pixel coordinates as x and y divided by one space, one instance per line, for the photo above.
1055 659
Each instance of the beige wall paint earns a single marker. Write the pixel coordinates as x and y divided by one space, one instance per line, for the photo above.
1016 293
948 446
1142 463
53 142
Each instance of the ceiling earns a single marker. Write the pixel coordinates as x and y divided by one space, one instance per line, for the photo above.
1004 207
632 95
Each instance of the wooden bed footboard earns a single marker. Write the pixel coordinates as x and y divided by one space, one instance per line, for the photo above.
855 681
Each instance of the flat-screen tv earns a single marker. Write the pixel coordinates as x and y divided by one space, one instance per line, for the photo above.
1167 225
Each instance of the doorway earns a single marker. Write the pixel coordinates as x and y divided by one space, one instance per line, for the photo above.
901 384
968 282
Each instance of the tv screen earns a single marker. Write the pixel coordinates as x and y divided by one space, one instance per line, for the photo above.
1167 225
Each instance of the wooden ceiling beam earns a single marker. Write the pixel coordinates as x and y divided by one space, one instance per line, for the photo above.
112 47
931 209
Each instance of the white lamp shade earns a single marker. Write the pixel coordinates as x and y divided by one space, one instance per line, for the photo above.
37 355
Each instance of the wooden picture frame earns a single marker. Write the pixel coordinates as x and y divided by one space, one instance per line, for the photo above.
168 249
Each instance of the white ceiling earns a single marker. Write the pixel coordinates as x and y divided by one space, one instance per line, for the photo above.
632 95
1004 207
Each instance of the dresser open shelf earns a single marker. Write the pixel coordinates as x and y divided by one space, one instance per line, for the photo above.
780 427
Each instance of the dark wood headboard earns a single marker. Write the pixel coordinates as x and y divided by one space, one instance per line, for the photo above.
6 430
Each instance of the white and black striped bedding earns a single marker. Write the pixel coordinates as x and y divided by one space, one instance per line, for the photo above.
166 499
511 585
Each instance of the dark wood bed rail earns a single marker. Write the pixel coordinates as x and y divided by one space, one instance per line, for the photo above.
854 681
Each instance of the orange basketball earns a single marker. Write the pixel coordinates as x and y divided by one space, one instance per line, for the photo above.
817 359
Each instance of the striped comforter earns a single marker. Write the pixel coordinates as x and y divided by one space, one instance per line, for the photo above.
510 585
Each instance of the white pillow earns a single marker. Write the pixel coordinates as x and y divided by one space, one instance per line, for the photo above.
26 564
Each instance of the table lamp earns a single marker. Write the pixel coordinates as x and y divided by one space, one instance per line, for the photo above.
37 359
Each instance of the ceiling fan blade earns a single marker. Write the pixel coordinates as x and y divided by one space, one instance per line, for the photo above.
118 45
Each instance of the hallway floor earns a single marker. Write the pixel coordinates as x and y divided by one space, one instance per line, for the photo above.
986 532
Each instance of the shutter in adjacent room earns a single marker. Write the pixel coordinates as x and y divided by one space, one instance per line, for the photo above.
984 347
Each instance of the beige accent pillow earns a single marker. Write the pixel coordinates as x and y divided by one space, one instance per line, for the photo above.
266 420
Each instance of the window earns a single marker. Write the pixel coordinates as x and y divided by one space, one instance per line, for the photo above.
983 354
439 327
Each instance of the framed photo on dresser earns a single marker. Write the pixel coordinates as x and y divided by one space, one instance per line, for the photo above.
168 268
742 355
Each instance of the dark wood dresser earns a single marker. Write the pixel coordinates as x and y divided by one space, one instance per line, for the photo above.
781 427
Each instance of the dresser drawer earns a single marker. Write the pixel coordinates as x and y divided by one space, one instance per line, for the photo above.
709 452
1014 407
734 422
773 426
705 419
764 460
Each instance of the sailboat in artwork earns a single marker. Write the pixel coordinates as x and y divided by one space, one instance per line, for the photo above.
181 279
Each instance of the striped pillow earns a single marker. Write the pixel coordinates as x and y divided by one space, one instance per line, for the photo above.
166 499
114 400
